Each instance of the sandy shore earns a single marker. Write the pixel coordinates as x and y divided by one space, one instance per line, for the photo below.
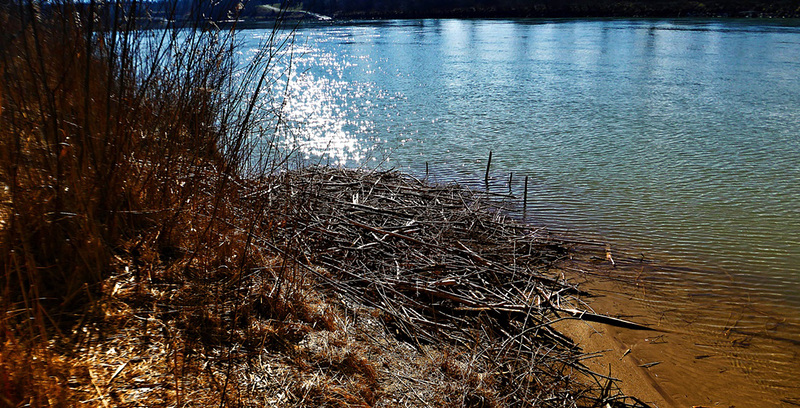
614 358
683 363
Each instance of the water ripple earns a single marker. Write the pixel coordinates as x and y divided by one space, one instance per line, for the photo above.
676 140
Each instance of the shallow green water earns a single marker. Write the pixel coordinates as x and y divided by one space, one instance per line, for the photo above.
676 139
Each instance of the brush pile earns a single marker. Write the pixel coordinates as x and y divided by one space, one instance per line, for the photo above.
444 268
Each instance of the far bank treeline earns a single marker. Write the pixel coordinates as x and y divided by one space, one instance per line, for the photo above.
553 8
253 10
524 8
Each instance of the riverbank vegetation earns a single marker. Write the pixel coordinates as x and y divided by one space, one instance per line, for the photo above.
269 10
158 248
552 8
365 9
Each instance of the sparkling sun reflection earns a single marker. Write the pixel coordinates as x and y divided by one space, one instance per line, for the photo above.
321 120
328 116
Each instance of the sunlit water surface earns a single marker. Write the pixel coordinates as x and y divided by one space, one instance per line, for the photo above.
678 141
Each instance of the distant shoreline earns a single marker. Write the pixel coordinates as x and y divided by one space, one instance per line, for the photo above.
156 15
494 15
571 9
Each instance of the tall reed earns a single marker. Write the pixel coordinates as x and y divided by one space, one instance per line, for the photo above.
110 128
119 137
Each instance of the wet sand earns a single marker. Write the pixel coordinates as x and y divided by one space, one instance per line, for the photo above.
702 352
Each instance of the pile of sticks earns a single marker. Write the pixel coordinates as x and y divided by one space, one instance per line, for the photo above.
444 267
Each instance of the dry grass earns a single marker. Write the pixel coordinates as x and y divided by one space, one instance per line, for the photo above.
118 148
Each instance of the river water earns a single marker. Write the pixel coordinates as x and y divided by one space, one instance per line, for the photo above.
677 140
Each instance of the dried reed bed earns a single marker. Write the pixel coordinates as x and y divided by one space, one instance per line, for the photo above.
119 152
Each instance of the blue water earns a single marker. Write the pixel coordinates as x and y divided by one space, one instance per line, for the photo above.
677 139
673 140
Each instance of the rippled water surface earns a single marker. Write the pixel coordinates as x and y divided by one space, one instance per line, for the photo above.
681 138
677 140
